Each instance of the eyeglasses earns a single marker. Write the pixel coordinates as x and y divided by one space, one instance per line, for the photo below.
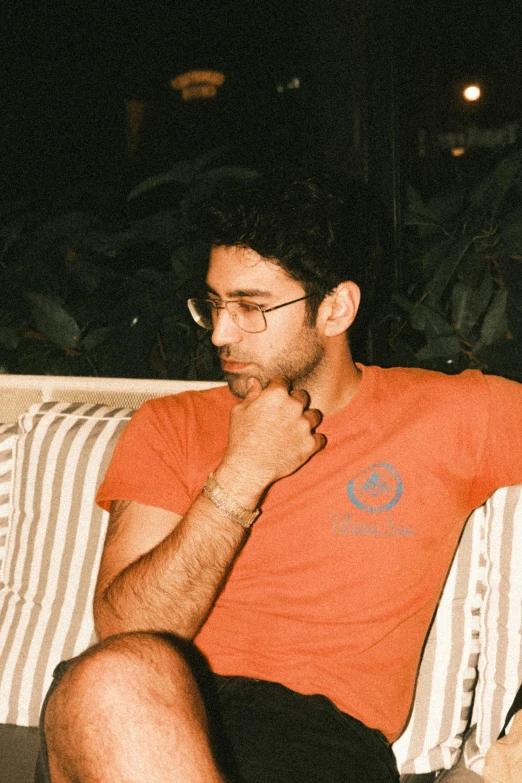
249 317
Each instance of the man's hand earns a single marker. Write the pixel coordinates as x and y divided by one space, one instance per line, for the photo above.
504 758
272 434
160 571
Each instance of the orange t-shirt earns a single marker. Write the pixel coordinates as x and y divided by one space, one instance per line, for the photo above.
335 588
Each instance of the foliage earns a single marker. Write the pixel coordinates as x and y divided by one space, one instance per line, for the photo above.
461 304
97 291
89 294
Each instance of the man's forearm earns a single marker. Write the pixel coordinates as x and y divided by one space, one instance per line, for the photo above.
174 585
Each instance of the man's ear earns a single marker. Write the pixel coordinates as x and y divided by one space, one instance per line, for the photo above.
338 310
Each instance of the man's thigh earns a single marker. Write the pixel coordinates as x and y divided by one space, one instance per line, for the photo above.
263 732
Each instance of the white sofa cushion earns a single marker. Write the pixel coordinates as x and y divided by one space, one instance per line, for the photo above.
500 663
54 545
8 437
448 671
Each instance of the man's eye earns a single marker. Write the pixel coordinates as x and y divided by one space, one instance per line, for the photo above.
246 307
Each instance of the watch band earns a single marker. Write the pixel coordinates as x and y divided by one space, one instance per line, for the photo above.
225 502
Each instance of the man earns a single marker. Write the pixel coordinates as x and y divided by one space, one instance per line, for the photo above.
503 763
276 547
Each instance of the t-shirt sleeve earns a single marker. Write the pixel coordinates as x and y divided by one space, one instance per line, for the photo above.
501 462
149 460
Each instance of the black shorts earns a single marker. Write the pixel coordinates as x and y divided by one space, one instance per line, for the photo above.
263 732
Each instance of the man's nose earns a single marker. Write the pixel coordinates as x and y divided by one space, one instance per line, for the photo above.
225 330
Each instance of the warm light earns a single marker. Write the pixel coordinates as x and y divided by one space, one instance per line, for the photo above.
472 92
198 84
458 151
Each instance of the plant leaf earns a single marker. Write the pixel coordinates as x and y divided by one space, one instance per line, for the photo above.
403 302
162 227
182 172
511 231
420 214
225 172
188 260
53 321
95 337
445 346
432 323
486 200
495 322
445 258
468 304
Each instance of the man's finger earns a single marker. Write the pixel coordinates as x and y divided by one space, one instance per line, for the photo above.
314 416
280 380
302 396
254 387
321 440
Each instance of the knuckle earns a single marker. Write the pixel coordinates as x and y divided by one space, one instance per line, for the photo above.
301 395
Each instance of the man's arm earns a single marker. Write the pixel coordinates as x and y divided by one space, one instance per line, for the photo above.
163 572
169 569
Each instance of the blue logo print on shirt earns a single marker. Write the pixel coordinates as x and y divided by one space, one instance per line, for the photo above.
376 489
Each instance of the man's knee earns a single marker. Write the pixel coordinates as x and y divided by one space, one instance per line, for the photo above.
119 671
126 688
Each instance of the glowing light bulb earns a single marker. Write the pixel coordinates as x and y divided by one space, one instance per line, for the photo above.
472 92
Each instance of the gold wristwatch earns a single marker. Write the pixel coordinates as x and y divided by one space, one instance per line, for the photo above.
224 501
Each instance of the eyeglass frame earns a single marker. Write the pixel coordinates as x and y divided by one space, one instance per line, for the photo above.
221 304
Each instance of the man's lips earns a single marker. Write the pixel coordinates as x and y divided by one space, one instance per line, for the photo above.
230 365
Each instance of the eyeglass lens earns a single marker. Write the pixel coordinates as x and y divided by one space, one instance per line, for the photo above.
247 316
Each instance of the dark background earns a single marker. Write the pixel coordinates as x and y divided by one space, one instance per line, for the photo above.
372 75
370 89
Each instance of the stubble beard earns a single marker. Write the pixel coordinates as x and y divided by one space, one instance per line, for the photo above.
301 369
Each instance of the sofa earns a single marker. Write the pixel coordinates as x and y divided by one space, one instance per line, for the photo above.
56 439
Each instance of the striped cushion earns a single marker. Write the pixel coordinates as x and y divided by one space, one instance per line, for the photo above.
448 669
53 547
8 435
500 665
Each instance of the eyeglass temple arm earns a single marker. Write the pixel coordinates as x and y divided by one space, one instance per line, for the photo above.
301 299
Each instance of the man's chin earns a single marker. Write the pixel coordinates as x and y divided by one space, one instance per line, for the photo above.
238 384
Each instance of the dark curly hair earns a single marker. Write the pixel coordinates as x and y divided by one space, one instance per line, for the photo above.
321 232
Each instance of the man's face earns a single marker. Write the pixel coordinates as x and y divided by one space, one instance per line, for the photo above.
288 347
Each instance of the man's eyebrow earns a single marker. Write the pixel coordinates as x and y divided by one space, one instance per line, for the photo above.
239 293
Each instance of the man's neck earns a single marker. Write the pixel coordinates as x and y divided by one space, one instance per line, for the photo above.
334 386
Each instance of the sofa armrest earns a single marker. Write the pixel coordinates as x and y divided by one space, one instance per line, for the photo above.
18 751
